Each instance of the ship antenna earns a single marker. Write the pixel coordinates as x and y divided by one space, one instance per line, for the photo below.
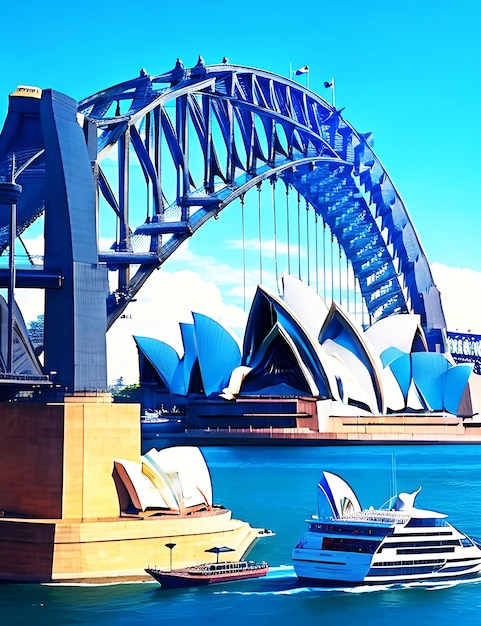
393 475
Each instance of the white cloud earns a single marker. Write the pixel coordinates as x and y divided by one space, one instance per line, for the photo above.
165 300
461 297
269 247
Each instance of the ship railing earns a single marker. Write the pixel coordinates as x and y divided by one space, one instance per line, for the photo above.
376 515
227 567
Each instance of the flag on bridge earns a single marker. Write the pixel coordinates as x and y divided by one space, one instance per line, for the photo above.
302 70
329 84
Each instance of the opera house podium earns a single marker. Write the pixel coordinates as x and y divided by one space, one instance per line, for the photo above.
61 517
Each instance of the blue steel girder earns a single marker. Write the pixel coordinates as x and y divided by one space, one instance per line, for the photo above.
219 130
230 102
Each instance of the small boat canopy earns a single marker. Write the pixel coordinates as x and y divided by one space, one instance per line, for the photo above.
217 550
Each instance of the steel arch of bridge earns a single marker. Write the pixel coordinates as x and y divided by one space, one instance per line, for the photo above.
194 140
246 125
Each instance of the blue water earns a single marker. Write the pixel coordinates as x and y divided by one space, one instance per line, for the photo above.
275 488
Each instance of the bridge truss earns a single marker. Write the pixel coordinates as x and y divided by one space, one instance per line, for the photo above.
204 136
183 145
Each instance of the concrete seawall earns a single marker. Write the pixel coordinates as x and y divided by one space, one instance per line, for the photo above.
301 437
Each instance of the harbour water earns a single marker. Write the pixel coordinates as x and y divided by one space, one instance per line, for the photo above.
275 488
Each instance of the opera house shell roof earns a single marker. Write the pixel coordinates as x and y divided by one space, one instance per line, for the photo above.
296 345
174 479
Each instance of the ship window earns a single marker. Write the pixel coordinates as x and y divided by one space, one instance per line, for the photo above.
424 550
421 544
350 529
346 544
428 521
403 571
430 533
432 562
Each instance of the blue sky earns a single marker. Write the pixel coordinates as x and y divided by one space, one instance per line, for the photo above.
409 72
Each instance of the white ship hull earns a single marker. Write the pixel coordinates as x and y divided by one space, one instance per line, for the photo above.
401 544
345 567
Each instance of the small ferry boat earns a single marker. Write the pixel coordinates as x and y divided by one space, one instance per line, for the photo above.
397 543
156 422
208 574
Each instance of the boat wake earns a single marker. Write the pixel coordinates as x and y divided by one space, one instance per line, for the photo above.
283 581
279 580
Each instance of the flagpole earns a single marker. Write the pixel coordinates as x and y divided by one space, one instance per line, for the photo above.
332 87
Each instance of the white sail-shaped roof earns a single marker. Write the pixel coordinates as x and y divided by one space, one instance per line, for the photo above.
294 346
335 498
143 493
396 331
176 479
267 310
168 483
393 396
413 400
308 305
189 463
342 335
354 382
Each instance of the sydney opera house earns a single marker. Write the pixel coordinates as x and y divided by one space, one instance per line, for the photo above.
303 361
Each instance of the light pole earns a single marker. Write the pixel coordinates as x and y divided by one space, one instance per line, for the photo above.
10 194
171 546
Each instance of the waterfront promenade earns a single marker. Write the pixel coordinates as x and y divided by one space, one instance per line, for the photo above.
452 432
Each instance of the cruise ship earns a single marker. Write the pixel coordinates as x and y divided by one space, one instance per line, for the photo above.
397 543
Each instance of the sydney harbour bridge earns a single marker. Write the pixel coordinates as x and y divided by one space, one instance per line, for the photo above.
155 158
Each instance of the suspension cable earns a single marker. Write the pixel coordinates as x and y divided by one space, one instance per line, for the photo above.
332 266
347 283
299 235
287 224
340 271
243 249
260 230
324 256
273 183
356 313
363 304
308 245
316 231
